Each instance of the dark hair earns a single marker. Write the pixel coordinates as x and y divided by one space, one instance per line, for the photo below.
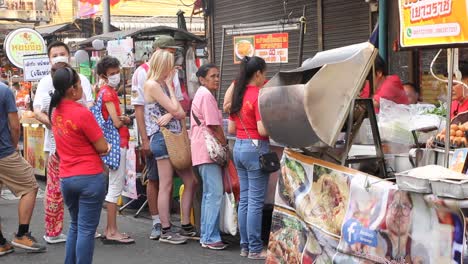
249 66
415 88
57 44
204 69
380 65
463 67
63 78
106 63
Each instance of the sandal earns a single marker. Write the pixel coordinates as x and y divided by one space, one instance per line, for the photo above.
258 256
121 241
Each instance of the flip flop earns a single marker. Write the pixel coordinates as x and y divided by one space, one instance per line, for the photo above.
122 241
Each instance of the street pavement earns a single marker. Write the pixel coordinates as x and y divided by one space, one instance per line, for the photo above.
143 251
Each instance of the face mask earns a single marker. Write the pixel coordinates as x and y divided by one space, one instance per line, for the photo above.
59 59
113 80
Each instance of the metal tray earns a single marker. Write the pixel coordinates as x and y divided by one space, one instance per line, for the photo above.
413 184
451 189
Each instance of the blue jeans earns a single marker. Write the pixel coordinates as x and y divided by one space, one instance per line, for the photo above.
83 196
253 184
212 178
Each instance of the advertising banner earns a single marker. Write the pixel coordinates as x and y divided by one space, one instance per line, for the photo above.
122 49
36 67
433 22
325 213
273 48
33 148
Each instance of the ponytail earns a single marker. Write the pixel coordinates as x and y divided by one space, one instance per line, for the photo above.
63 78
249 66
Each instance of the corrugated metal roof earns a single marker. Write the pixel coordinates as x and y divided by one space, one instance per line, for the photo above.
179 34
50 29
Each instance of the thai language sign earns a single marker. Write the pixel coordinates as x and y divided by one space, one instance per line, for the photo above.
433 22
23 41
36 67
325 213
273 48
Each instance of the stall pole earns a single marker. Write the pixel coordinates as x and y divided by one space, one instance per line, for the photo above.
450 54
301 36
106 16
221 64
124 93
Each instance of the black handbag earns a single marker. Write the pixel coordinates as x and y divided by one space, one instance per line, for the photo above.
269 162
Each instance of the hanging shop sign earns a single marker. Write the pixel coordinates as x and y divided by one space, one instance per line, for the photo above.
36 67
433 22
122 49
273 48
325 213
21 42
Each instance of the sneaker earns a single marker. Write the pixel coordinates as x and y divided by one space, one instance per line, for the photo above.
258 256
56 239
244 252
189 232
28 242
6 249
156 232
172 237
215 246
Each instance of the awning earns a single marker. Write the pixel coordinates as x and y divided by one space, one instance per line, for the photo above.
146 34
195 24
86 27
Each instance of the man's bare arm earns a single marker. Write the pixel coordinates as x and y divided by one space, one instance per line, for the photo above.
41 117
140 119
14 125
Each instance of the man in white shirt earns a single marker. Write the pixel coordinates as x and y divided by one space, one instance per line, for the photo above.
138 101
57 52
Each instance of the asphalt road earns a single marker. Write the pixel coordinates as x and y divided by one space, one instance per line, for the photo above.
143 251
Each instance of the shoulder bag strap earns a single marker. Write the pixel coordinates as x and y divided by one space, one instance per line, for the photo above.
196 118
246 132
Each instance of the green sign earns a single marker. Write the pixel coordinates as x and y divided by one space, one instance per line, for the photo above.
23 41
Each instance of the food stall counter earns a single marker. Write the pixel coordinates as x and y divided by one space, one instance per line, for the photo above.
33 142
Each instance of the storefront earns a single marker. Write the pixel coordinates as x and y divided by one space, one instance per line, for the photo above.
329 24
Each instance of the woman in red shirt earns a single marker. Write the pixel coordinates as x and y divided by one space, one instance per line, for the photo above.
79 141
251 141
108 69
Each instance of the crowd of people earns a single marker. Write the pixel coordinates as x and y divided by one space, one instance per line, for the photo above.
84 131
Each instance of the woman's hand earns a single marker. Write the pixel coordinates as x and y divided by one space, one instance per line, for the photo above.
125 119
164 120
109 146
170 79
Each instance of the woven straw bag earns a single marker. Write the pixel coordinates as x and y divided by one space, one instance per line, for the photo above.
178 147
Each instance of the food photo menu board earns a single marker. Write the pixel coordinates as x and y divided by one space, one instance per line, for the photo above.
325 213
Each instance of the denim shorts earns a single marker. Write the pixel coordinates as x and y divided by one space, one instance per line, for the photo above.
158 146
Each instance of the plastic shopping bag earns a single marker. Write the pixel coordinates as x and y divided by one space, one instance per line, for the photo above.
228 215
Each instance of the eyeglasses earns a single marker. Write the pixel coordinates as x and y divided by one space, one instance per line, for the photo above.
404 209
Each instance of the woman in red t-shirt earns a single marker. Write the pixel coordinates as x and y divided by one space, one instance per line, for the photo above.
79 142
251 141
108 69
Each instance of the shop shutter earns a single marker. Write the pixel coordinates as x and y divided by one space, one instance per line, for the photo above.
228 12
345 23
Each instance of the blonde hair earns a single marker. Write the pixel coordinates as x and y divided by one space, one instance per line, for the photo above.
160 63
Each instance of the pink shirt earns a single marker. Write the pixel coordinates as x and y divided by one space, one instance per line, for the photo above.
205 107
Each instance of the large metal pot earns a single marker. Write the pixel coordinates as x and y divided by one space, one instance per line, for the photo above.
308 106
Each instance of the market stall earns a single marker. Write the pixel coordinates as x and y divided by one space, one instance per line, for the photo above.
327 212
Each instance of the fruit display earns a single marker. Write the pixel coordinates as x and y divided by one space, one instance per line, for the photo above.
457 135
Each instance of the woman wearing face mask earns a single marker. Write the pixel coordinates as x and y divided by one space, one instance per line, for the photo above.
108 69
251 141
79 141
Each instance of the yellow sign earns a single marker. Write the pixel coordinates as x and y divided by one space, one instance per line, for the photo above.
433 22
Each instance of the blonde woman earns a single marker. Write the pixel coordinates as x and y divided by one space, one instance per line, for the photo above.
164 110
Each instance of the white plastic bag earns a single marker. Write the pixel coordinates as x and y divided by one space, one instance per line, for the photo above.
228 215
191 69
